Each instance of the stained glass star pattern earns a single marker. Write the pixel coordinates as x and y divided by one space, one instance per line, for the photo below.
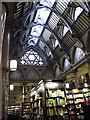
31 58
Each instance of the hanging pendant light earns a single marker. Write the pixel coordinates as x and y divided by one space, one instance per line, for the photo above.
11 87
13 65
67 85
85 84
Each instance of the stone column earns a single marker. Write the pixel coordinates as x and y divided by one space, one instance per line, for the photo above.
76 79
25 90
5 73
0 65
88 77
2 27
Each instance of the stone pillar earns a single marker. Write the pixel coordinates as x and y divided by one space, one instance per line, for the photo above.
5 73
76 79
25 90
0 66
89 68
88 72
2 27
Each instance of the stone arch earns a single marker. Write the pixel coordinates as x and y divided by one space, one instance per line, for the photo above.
48 74
33 75
17 75
62 61
73 52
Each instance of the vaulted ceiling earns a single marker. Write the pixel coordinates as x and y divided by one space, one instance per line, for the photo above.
41 34
48 27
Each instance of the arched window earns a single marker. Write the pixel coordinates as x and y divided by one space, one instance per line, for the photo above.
79 54
66 64
78 12
31 58
57 72
65 30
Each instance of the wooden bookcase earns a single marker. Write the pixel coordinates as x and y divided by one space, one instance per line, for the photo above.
46 101
14 108
51 101
25 108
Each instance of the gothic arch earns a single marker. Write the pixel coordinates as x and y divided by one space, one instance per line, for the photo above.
17 75
62 61
48 74
33 75
73 53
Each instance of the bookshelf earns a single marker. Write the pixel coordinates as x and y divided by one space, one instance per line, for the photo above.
47 102
13 109
36 103
25 108
54 102
76 98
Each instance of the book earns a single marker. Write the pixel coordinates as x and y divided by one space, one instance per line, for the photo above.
60 111
50 103
58 103
54 102
62 101
55 111
51 112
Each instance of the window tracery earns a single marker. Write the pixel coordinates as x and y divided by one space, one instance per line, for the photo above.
66 64
79 54
78 12
31 58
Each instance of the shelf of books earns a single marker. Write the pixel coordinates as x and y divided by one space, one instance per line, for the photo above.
76 98
25 108
48 102
13 109
36 106
51 101
56 104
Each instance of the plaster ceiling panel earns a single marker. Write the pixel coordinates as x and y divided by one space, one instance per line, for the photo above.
32 75
48 74
41 44
46 34
16 75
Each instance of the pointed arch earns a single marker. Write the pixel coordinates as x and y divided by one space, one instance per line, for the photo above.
48 74
66 64
17 75
33 75
78 54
